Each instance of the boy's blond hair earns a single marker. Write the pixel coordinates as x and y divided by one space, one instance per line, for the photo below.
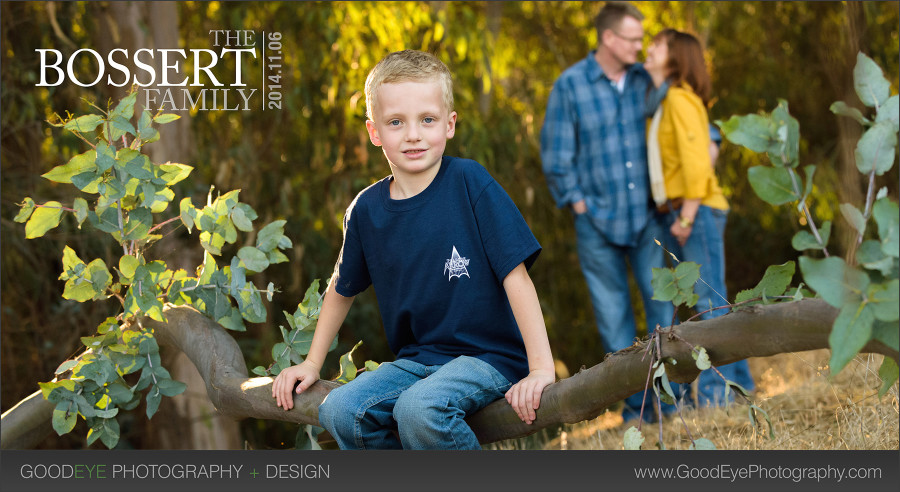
408 66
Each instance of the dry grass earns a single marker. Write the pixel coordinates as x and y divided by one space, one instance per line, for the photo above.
808 411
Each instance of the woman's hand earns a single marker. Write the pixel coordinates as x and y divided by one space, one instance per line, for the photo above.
680 232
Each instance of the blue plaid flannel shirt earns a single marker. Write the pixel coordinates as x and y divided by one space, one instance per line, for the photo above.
594 146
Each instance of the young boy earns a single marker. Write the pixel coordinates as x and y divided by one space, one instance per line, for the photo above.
447 252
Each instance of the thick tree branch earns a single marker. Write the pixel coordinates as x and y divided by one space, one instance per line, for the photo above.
755 332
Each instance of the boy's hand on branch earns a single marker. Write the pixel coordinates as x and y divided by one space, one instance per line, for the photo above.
306 372
525 396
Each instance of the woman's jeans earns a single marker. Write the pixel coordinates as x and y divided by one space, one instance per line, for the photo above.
407 405
706 247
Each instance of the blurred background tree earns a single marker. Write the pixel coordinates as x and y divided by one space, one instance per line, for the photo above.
306 162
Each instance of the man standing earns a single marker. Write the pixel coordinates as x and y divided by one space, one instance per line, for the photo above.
594 153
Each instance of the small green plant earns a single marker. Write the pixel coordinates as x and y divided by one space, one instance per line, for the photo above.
122 192
296 344
864 286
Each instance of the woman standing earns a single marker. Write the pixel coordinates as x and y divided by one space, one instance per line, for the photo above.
694 207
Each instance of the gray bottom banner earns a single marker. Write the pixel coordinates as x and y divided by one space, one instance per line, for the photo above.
397 471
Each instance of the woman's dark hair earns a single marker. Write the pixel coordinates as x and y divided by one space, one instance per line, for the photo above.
685 62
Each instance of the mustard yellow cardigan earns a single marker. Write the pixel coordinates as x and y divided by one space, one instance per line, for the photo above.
684 149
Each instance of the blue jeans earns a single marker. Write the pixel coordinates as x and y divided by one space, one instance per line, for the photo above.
604 268
706 247
407 405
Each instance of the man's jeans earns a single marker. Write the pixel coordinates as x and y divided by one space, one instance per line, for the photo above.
404 404
706 247
603 265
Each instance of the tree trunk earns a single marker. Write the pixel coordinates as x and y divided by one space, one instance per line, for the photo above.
759 331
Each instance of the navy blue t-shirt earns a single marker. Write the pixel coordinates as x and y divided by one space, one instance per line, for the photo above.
437 262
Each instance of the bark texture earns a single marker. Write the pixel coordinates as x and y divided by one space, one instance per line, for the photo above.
758 331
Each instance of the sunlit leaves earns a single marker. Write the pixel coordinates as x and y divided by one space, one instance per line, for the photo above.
347 367
84 124
44 218
83 281
80 207
130 189
79 164
27 207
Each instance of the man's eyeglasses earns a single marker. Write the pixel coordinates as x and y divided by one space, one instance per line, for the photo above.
628 40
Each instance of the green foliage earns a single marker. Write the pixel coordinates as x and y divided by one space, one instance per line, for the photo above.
128 190
676 284
774 283
633 439
297 343
864 287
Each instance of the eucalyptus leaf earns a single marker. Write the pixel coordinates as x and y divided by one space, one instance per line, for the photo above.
877 148
170 387
81 163
890 112
80 206
774 282
154 398
701 357
841 108
84 124
254 259
889 373
45 218
854 217
702 444
165 118
887 216
868 80
833 280
751 131
851 331
270 235
884 300
25 213
633 439
64 417
772 184
804 240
